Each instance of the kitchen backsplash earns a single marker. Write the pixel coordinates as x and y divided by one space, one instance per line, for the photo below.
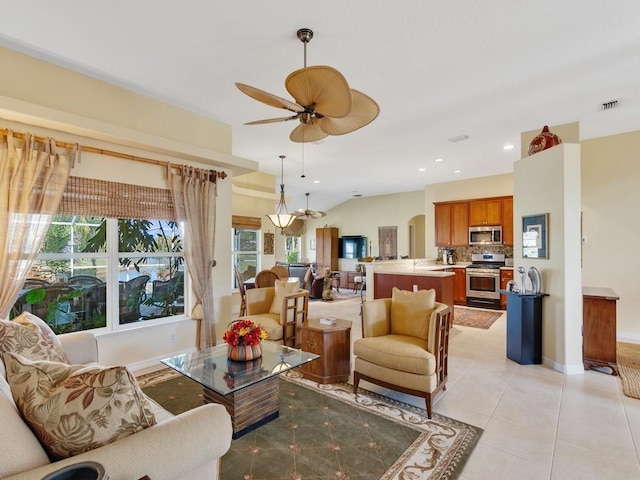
463 254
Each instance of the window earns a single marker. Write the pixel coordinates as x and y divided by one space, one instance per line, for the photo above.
293 249
245 252
95 272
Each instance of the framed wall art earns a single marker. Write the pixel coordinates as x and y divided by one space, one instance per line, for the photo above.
269 243
535 237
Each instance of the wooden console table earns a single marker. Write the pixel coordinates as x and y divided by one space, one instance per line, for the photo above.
333 344
599 329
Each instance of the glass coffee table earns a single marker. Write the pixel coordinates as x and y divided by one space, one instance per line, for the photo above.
248 390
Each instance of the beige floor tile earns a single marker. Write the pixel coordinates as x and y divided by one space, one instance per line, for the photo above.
575 462
538 423
528 443
489 463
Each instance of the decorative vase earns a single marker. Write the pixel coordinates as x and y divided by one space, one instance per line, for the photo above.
243 353
545 139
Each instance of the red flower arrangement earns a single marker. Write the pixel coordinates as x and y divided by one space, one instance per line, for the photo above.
244 332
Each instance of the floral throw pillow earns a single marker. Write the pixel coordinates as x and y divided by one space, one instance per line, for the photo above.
30 337
75 408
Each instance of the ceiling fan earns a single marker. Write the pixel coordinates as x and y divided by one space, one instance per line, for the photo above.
308 214
324 103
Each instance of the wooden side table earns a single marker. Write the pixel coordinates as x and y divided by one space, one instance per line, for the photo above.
599 347
333 344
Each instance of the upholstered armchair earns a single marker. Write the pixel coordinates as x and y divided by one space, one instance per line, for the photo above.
279 310
405 344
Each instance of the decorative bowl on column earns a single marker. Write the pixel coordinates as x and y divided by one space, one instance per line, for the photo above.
545 139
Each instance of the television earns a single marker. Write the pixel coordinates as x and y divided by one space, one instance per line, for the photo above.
352 246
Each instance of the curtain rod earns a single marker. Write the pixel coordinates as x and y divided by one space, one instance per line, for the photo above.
112 153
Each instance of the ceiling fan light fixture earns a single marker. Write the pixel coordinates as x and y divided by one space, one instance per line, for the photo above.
324 103
281 218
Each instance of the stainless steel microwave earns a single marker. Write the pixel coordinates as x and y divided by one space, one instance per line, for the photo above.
485 235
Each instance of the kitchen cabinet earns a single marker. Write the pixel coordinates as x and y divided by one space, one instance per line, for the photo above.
599 328
486 211
460 286
452 224
506 275
333 344
507 220
326 249
347 279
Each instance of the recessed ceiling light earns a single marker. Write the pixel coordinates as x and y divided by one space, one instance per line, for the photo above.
439 159
422 169
508 147
316 181
457 171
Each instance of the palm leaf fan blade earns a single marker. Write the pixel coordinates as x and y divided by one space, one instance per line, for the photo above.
364 110
307 132
321 87
269 98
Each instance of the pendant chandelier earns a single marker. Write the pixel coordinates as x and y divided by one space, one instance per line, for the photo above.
282 218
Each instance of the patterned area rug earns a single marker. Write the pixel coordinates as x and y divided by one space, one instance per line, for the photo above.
469 317
628 356
325 431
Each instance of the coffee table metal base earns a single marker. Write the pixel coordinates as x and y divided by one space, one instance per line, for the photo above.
249 407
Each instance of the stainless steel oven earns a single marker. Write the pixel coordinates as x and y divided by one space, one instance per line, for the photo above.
483 280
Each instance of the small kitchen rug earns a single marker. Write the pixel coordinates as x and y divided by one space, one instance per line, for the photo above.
628 356
469 317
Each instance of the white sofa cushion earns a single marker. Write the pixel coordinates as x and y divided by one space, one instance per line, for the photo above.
77 408
20 448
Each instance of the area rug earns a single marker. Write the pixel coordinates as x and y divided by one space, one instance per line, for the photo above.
469 317
343 294
325 431
628 356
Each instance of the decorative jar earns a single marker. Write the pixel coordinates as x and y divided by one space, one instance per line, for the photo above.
243 353
545 139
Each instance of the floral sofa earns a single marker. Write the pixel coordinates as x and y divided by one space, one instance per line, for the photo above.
130 435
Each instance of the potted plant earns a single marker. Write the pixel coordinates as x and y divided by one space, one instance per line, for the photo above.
243 339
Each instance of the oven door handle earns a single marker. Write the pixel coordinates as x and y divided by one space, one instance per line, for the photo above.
486 275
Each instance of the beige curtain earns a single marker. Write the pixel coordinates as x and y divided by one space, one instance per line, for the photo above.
32 179
194 196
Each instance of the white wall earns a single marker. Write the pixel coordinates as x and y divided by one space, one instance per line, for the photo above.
549 182
363 216
611 223
46 100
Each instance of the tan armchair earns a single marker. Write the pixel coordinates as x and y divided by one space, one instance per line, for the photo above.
405 344
279 313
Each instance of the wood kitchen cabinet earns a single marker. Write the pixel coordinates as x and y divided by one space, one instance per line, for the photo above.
326 249
333 344
487 211
460 286
599 328
347 279
507 220
506 275
452 224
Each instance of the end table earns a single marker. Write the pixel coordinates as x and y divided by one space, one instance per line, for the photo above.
333 344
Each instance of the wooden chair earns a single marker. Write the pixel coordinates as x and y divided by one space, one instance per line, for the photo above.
282 326
404 348
266 278
281 271
243 293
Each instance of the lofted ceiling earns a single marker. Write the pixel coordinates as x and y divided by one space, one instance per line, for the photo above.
438 70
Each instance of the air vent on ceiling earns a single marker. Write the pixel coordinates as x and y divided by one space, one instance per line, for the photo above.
459 138
609 105
356 195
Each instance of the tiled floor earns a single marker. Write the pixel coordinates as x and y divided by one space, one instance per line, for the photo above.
538 423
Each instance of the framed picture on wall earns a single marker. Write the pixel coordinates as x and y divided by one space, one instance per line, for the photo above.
312 244
535 241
